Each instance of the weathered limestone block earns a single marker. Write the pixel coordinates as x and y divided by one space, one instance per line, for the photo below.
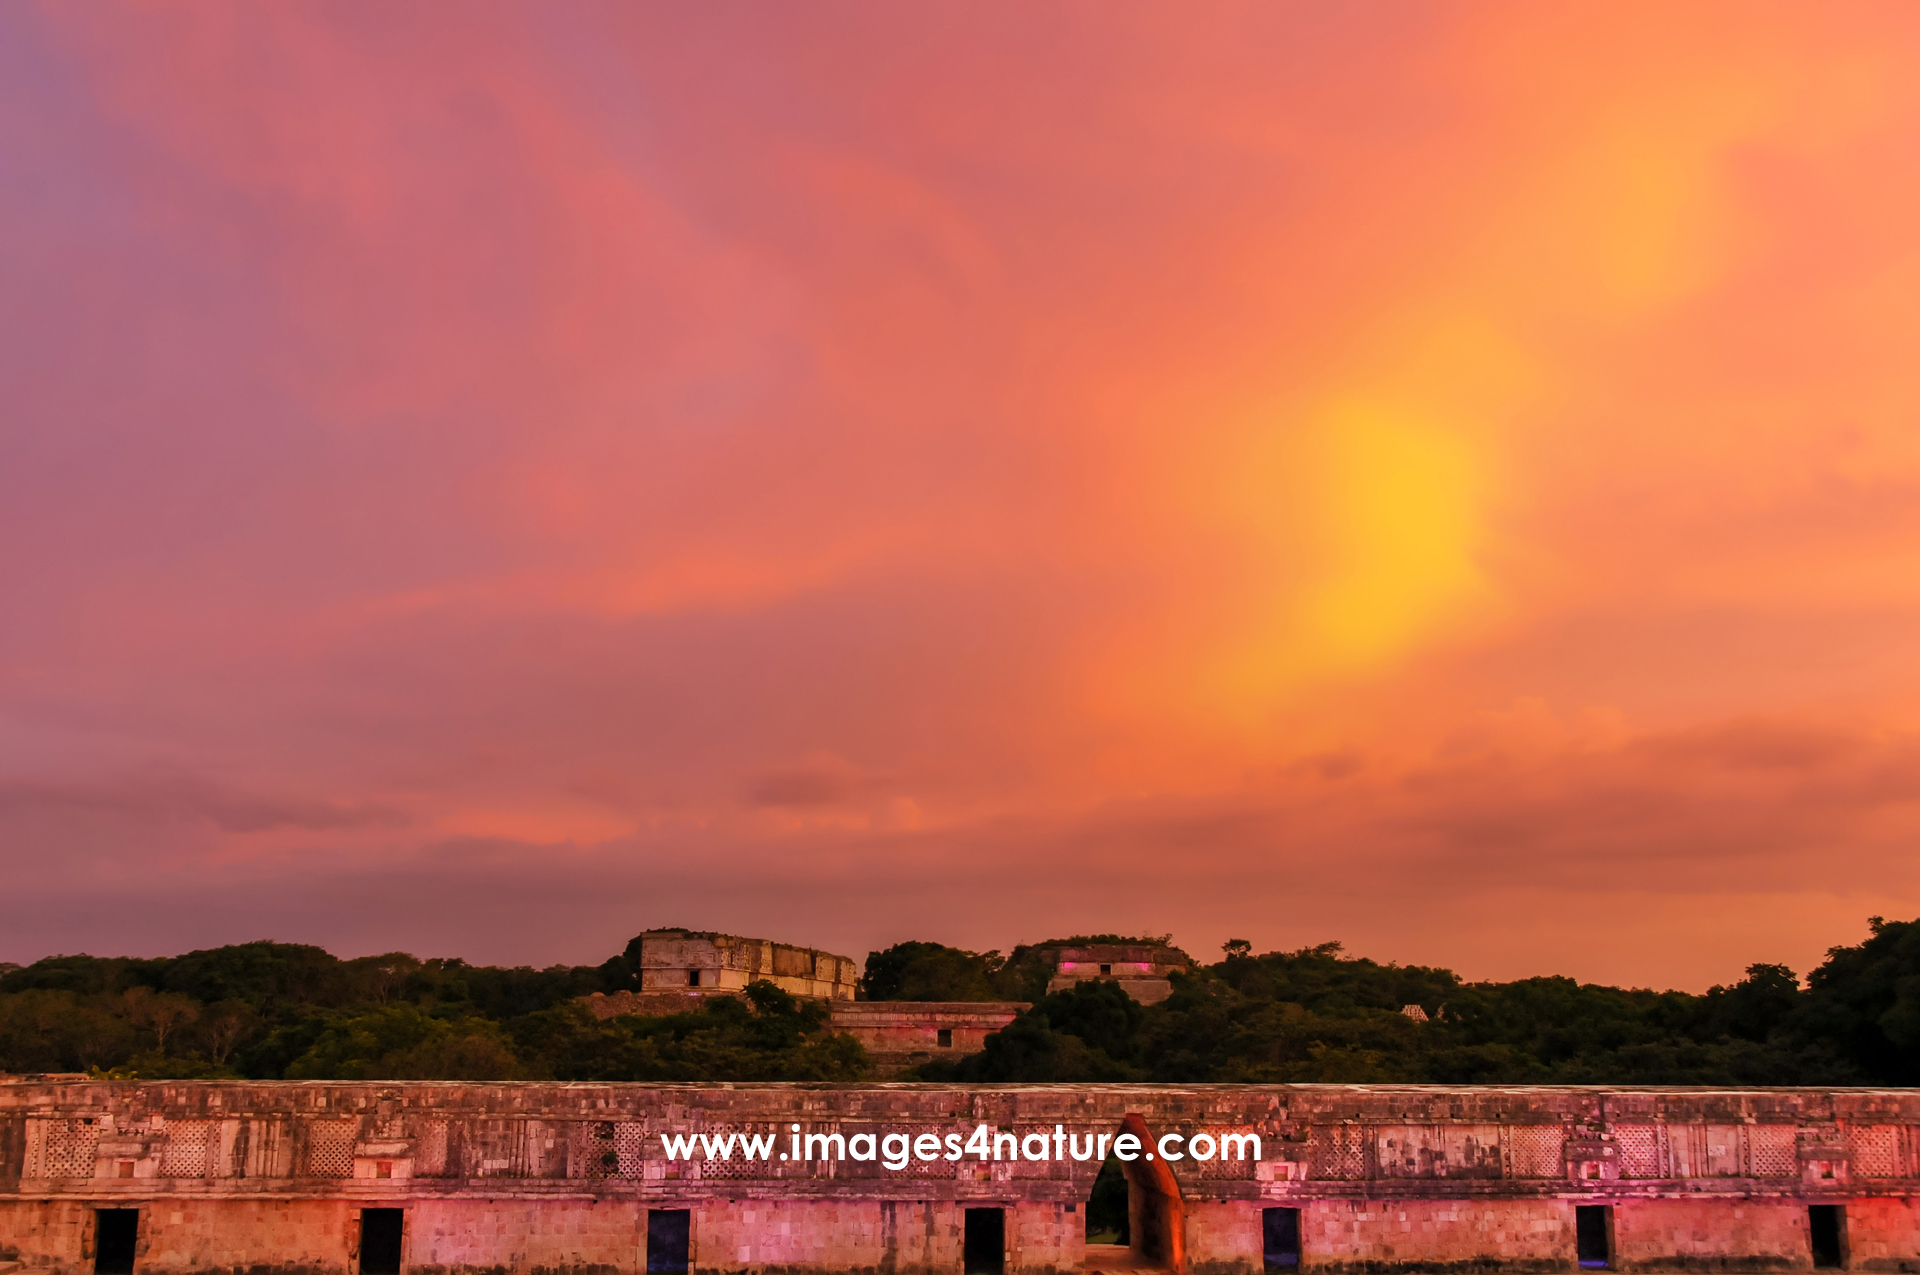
47 1235
1712 1235
560 1179
587 1237
1412 1234
1222 1237
1883 1234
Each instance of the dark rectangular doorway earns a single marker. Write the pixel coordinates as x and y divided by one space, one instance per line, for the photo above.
667 1247
1280 1234
1592 1236
1827 1228
380 1232
985 1249
116 1231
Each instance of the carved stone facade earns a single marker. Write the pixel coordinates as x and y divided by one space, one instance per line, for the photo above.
1141 969
692 963
578 1179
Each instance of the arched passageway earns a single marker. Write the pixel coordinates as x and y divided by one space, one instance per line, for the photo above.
1107 1223
1154 1229
1155 1212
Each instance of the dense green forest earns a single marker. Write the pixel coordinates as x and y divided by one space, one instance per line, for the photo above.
278 1010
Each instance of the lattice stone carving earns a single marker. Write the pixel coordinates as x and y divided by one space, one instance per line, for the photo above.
330 1148
630 1148
70 1148
1640 1150
939 1168
192 1149
1876 1150
1536 1150
1770 1150
598 1158
1220 1169
1338 1150
737 1166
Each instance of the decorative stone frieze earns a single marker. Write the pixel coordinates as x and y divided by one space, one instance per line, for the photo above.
561 1179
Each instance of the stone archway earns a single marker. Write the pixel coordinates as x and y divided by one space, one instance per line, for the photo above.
1156 1215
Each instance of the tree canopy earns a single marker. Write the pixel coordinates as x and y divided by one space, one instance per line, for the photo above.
281 1010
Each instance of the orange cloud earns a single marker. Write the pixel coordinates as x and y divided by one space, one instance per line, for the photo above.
1363 460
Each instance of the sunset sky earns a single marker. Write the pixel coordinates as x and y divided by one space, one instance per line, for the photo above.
486 479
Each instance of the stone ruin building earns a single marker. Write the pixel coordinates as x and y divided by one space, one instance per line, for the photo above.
1143 970
679 968
428 1178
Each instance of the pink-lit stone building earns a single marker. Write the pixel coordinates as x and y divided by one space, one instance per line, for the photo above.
1141 969
322 1178
700 962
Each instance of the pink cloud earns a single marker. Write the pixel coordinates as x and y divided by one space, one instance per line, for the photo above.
1417 479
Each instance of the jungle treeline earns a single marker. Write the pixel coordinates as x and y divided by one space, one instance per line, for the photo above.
287 1011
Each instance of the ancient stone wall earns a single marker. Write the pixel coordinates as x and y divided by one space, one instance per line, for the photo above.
562 1179
683 962
900 1034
